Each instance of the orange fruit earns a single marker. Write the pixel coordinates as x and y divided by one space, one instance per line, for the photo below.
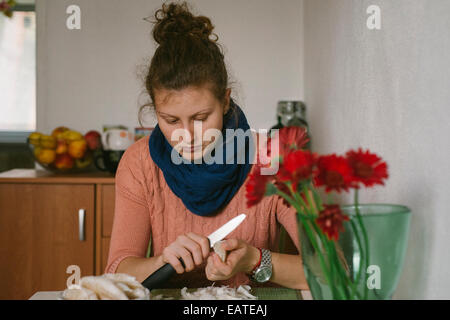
77 148
46 156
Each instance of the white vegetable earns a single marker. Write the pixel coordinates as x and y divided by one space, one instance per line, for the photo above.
75 292
107 287
218 293
218 249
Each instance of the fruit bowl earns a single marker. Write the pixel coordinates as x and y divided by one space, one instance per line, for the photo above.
65 150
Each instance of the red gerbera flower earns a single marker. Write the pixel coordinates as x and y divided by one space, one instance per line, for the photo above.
334 173
289 139
297 166
331 220
256 186
368 168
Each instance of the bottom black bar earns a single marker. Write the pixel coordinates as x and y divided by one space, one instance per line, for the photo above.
206 309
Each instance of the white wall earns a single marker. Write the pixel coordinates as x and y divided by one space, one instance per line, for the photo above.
89 77
389 91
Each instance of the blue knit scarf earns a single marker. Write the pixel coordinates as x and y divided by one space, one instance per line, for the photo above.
206 188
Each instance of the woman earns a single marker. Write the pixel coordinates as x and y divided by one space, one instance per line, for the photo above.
177 206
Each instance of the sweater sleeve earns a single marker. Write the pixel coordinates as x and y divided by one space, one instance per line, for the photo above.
287 217
131 226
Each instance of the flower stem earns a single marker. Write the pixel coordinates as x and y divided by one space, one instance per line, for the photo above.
366 242
314 207
361 250
289 200
331 245
317 199
335 278
308 232
298 198
322 262
346 277
342 278
339 266
342 275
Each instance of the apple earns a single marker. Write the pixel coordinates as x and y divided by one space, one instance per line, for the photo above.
93 139
63 161
77 148
57 133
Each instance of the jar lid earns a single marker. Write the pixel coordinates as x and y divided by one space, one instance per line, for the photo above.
291 106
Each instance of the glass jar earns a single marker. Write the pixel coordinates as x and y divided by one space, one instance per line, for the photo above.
292 114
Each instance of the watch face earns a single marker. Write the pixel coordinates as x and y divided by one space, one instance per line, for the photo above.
263 274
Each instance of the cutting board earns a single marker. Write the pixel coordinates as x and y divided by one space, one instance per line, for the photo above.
261 293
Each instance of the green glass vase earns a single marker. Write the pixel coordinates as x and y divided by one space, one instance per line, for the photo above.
373 276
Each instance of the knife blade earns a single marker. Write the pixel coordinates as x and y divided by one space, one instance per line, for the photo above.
157 278
225 230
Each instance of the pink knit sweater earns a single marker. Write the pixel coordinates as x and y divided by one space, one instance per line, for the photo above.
146 207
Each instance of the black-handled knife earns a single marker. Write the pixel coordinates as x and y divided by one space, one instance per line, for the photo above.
163 274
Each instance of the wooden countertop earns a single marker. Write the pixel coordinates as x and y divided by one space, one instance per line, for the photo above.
42 176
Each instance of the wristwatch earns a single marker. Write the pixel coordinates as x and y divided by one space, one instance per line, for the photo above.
263 270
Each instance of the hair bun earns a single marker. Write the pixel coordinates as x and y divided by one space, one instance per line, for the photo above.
176 20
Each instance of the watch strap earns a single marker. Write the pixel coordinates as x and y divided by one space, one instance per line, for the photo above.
259 262
266 258
265 262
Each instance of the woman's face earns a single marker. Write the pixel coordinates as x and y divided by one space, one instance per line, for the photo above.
179 109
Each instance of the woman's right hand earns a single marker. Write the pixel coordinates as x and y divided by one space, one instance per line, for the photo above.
191 247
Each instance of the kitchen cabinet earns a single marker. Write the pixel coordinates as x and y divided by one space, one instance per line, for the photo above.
49 222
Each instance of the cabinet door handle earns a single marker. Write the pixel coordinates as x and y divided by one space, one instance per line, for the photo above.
81 216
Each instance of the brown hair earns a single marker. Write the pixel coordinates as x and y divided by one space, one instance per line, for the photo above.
186 56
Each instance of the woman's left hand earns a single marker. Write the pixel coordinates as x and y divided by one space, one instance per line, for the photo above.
241 257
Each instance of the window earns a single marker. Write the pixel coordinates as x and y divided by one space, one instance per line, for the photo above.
18 74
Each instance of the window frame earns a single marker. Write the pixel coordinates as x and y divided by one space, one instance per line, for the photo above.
18 136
